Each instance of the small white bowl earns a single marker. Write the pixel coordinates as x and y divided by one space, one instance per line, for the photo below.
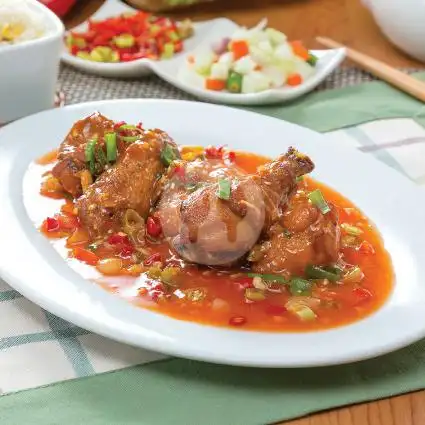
29 70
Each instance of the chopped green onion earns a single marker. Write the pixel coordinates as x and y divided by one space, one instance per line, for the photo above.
303 312
287 233
299 179
89 152
254 294
318 200
169 154
312 59
224 188
111 146
234 82
316 272
300 286
128 127
351 230
272 277
129 139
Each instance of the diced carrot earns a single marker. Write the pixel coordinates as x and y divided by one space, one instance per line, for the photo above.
216 85
191 59
299 50
294 80
239 48
85 255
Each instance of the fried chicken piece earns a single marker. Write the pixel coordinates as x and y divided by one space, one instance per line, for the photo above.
303 236
206 226
71 154
132 183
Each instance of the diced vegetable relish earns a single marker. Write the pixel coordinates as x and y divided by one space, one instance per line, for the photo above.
129 37
250 61
153 277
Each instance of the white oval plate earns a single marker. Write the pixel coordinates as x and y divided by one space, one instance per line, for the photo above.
32 266
206 33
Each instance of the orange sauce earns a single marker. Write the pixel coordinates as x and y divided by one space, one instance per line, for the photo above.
224 288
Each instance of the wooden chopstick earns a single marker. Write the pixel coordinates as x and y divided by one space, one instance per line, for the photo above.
393 76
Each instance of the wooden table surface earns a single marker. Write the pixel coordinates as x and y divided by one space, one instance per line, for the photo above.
349 22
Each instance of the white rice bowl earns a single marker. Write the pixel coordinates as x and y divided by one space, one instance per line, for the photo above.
19 13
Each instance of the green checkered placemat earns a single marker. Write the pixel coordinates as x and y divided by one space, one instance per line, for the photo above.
38 349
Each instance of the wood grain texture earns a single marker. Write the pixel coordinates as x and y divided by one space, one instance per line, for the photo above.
347 22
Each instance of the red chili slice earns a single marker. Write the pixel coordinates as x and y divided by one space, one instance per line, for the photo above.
237 320
153 227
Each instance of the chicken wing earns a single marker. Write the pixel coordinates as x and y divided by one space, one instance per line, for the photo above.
71 154
132 183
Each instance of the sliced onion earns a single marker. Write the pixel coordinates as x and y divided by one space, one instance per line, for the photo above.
220 47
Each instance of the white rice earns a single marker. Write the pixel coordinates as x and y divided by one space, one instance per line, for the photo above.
20 12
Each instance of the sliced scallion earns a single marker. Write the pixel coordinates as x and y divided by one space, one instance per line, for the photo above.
169 154
129 139
318 200
89 153
351 230
303 312
316 272
269 277
299 286
127 127
224 189
111 146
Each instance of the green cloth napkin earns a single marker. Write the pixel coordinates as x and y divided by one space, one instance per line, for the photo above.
183 392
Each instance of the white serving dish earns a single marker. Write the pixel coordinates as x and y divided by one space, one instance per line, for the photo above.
30 263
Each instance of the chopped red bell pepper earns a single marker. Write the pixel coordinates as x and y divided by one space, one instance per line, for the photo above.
153 227
131 37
